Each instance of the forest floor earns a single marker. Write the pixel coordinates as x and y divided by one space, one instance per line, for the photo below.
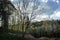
10 36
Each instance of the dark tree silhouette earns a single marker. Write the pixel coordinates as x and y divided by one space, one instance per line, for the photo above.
5 12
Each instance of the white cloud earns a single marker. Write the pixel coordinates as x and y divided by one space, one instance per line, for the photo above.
11 0
57 1
56 15
45 1
41 17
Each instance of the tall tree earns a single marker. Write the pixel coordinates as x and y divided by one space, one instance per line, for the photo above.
27 10
4 13
5 10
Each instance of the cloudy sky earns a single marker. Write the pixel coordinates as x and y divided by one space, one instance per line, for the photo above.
52 9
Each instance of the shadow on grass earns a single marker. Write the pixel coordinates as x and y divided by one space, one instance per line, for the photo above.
4 35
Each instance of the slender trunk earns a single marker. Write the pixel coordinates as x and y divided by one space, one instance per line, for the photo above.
5 21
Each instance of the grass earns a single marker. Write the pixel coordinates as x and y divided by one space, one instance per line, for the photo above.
6 36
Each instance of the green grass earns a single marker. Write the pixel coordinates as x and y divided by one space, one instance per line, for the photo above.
6 36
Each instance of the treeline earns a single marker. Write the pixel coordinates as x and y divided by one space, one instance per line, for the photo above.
48 28
48 24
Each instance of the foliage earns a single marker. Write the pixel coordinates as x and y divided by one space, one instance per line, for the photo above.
6 36
43 25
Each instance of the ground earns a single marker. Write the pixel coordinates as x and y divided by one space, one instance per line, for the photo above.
9 36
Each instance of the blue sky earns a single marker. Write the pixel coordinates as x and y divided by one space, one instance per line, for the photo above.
52 9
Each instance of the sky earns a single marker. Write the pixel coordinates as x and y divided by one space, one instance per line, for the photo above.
52 9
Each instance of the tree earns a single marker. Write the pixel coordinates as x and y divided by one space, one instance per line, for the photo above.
4 13
27 11
6 9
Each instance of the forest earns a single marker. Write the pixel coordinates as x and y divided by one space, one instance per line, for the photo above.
17 21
